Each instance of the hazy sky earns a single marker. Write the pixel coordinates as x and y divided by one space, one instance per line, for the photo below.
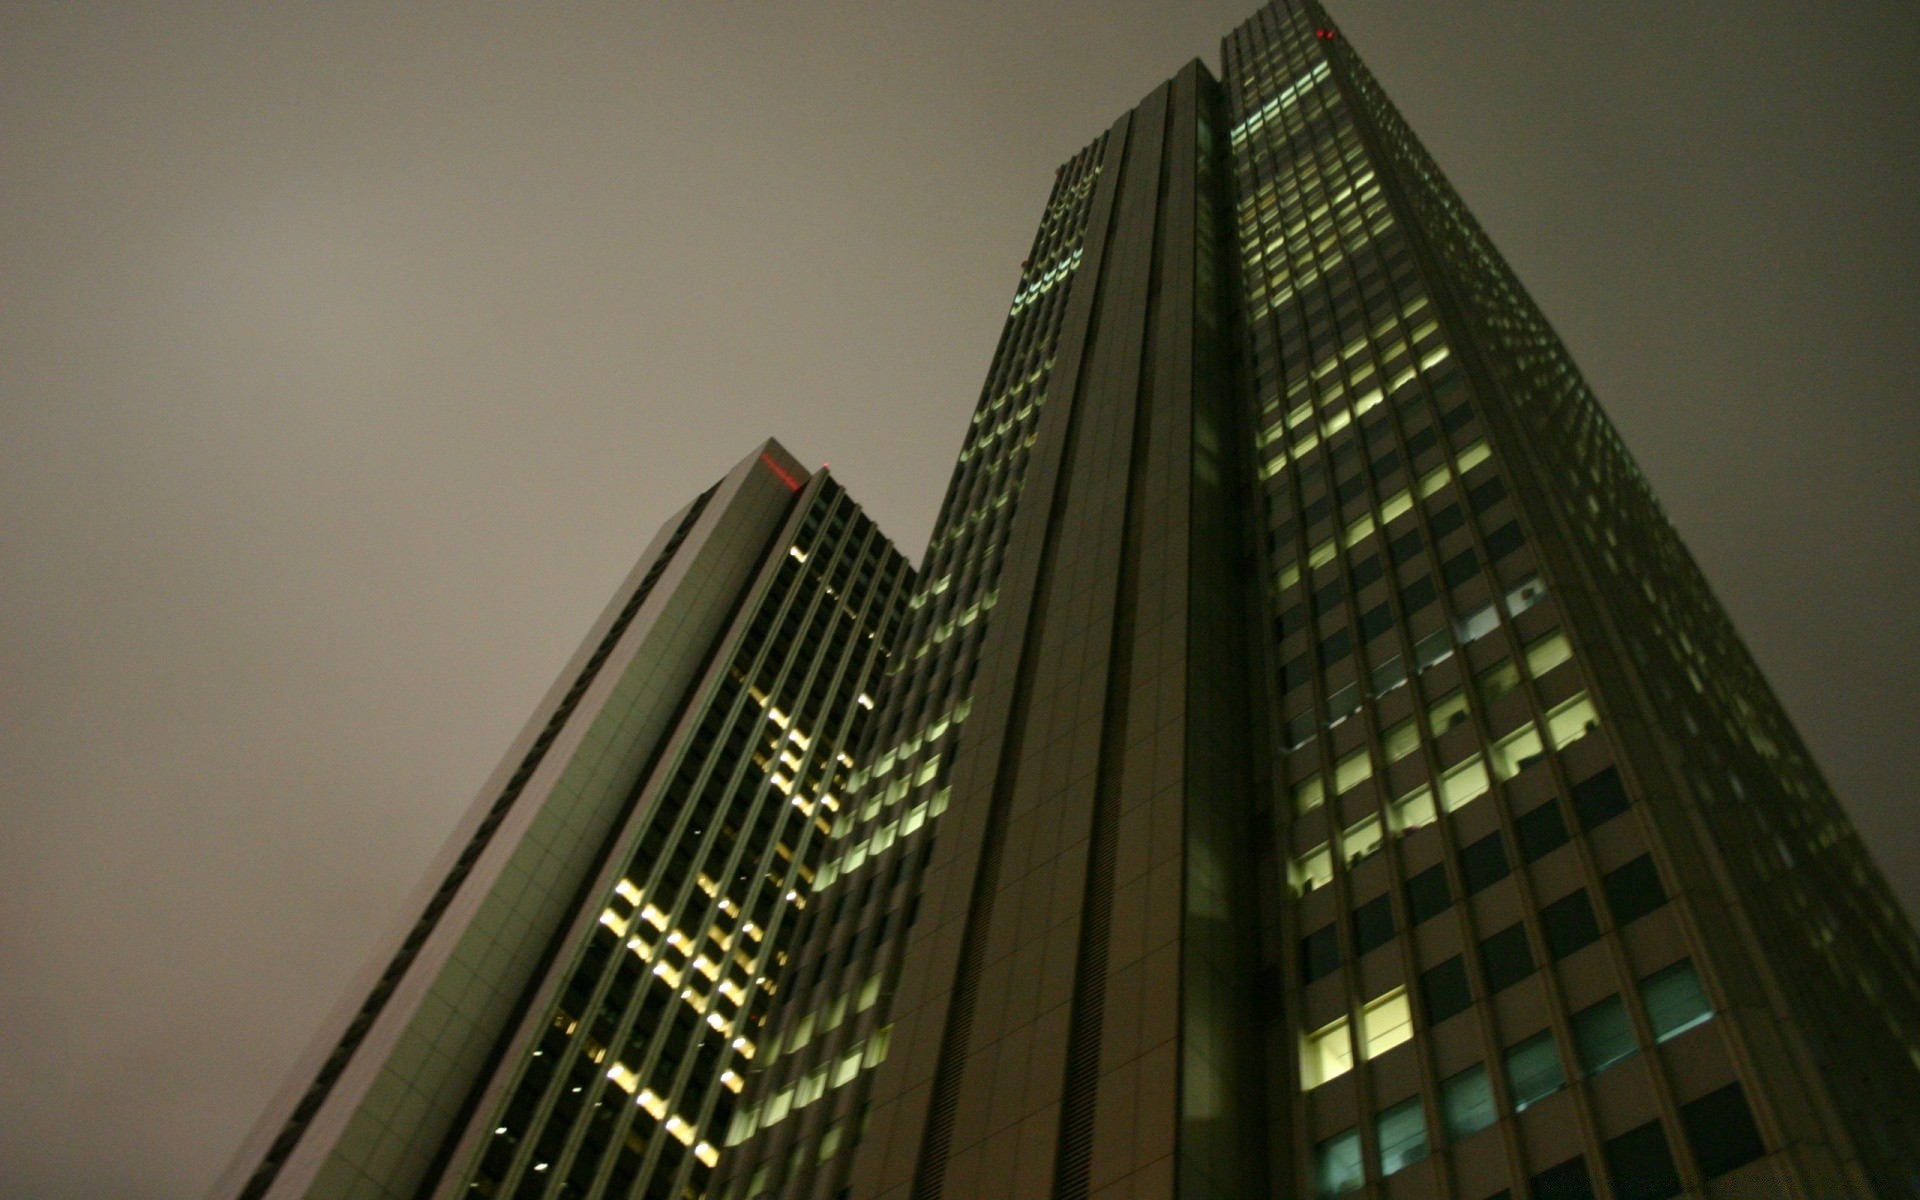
349 355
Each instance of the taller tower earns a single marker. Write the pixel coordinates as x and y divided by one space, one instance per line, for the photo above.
1314 763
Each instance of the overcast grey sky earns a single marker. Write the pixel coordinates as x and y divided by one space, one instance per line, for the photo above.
349 355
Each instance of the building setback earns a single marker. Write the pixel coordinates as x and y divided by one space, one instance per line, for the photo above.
1313 764
573 998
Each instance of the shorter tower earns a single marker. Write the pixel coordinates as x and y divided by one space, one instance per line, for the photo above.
575 991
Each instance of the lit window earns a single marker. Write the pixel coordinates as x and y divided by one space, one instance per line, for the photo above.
1675 1000
1314 869
1413 810
1326 1054
1403 1136
1336 1165
1572 721
1517 751
1466 1102
1387 1022
1401 740
1351 769
1463 783
1533 1070
1361 839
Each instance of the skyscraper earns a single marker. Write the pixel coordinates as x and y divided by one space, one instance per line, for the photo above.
1308 764
1313 763
574 994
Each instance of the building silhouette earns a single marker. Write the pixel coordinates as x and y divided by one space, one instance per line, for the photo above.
575 992
1315 763
1307 763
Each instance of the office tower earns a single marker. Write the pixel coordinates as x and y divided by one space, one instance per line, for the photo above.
571 1002
1313 764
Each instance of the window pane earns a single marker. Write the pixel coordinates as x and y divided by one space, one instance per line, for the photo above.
1507 958
1600 798
1466 1102
1483 864
1641 1166
1568 1181
1387 1022
1541 831
1675 1000
1325 1054
1403 1136
1320 953
1720 1127
1444 989
1373 924
1569 925
1336 1165
1603 1034
1634 890
1533 1070
1428 894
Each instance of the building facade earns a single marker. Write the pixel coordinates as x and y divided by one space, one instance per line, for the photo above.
1307 763
1313 764
571 1003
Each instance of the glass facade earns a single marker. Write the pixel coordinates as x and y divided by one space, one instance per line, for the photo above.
1309 763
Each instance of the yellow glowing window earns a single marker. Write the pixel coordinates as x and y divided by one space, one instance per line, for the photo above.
623 1077
1400 740
1312 870
1413 810
1308 795
1351 769
1325 1054
1572 721
1387 1022
1360 840
1463 783
869 992
1517 751
877 1046
1448 711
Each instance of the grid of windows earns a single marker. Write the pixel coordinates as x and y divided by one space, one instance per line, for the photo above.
1425 665
647 1043
805 1106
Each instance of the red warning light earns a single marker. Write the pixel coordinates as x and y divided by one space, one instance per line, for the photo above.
1325 35
767 461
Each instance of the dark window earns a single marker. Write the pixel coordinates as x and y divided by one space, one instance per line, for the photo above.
1296 672
1428 894
1483 864
1541 831
1320 953
1634 890
1373 924
1295 618
1641 1166
1569 924
1504 541
1335 647
1460 568
1418 594
1599 799
1455 417
1405 546
1447 520
1603 1035
1721 1130
1568 1181
1422 441
1328 596
1318 509
1507 957
1367 570
1350 488
1487 495
1445 989
1375 621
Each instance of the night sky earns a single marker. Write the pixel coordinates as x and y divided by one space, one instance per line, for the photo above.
349 355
